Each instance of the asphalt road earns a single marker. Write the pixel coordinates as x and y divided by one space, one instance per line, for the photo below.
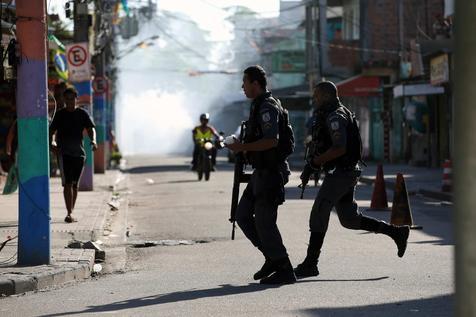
360 272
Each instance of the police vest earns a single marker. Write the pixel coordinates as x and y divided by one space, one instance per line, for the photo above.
261 159
322 137
203 135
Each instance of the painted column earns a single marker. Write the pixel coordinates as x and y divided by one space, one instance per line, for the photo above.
85 101
109 119
81 34
33 139
99 101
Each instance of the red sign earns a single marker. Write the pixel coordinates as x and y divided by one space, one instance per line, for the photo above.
77 55
100 85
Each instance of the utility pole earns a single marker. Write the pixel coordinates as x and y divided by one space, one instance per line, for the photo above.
401 30
33 138
312 40
81 34
465 158
323 43
100 87
99 101
309 45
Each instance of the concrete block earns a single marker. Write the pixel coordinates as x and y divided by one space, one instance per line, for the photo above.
6 287
25 284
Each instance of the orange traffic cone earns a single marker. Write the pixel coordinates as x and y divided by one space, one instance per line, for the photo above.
401 211
379 195
447 184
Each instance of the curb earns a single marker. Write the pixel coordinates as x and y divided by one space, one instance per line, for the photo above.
424 192
19 280
436 195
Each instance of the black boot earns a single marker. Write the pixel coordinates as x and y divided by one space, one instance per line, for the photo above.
284 273
267 269
399 234
308 267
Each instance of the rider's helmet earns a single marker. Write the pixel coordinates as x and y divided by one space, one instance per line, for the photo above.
205 117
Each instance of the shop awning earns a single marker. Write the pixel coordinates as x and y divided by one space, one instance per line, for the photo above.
359 86
417 90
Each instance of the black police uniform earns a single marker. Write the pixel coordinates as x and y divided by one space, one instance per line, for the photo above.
257 211
338 189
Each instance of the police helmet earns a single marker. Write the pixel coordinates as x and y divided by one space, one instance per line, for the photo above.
205 116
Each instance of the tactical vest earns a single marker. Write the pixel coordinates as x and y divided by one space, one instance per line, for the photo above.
322 138
260 159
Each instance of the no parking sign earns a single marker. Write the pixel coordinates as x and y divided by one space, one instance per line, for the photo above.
78 62
100 85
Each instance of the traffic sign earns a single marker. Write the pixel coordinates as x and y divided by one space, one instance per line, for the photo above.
78 62
100 85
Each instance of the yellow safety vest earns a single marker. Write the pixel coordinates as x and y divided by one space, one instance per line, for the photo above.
200 135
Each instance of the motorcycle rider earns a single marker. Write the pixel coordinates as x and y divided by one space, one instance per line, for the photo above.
204 131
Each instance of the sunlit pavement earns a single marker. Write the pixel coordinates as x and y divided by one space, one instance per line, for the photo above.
360 272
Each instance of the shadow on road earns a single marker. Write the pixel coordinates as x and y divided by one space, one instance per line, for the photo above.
172 168
222 290
435 306
158 169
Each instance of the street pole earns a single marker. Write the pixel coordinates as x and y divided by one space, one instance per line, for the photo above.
401 25
465 158
81 34
323 43
33 139
99 101
309 46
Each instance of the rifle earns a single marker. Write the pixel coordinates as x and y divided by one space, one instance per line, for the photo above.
311 150
239 177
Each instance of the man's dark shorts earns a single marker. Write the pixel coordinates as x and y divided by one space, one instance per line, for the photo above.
71 168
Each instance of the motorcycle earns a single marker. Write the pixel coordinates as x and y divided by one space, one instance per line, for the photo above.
204 159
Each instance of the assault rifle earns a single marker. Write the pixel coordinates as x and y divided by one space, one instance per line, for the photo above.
239 177
309 170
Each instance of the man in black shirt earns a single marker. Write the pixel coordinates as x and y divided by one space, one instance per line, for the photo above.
68 125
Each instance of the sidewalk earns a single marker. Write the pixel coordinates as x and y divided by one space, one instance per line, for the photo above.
419 180
67 264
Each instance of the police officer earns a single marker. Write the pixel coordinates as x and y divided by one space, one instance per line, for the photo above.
341 176
257 211
204 131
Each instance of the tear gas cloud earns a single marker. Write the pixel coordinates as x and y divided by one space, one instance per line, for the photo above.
158 102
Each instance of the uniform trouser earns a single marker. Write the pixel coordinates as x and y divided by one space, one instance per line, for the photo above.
258 211
336 191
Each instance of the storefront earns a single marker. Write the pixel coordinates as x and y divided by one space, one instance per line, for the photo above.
420 131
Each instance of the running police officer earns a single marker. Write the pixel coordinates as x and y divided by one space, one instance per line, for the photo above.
336 145
258 207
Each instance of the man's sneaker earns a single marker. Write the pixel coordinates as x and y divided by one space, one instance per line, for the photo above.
401 237
280 277
306 270
267 269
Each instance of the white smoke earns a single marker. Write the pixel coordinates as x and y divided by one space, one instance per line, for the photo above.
158 102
